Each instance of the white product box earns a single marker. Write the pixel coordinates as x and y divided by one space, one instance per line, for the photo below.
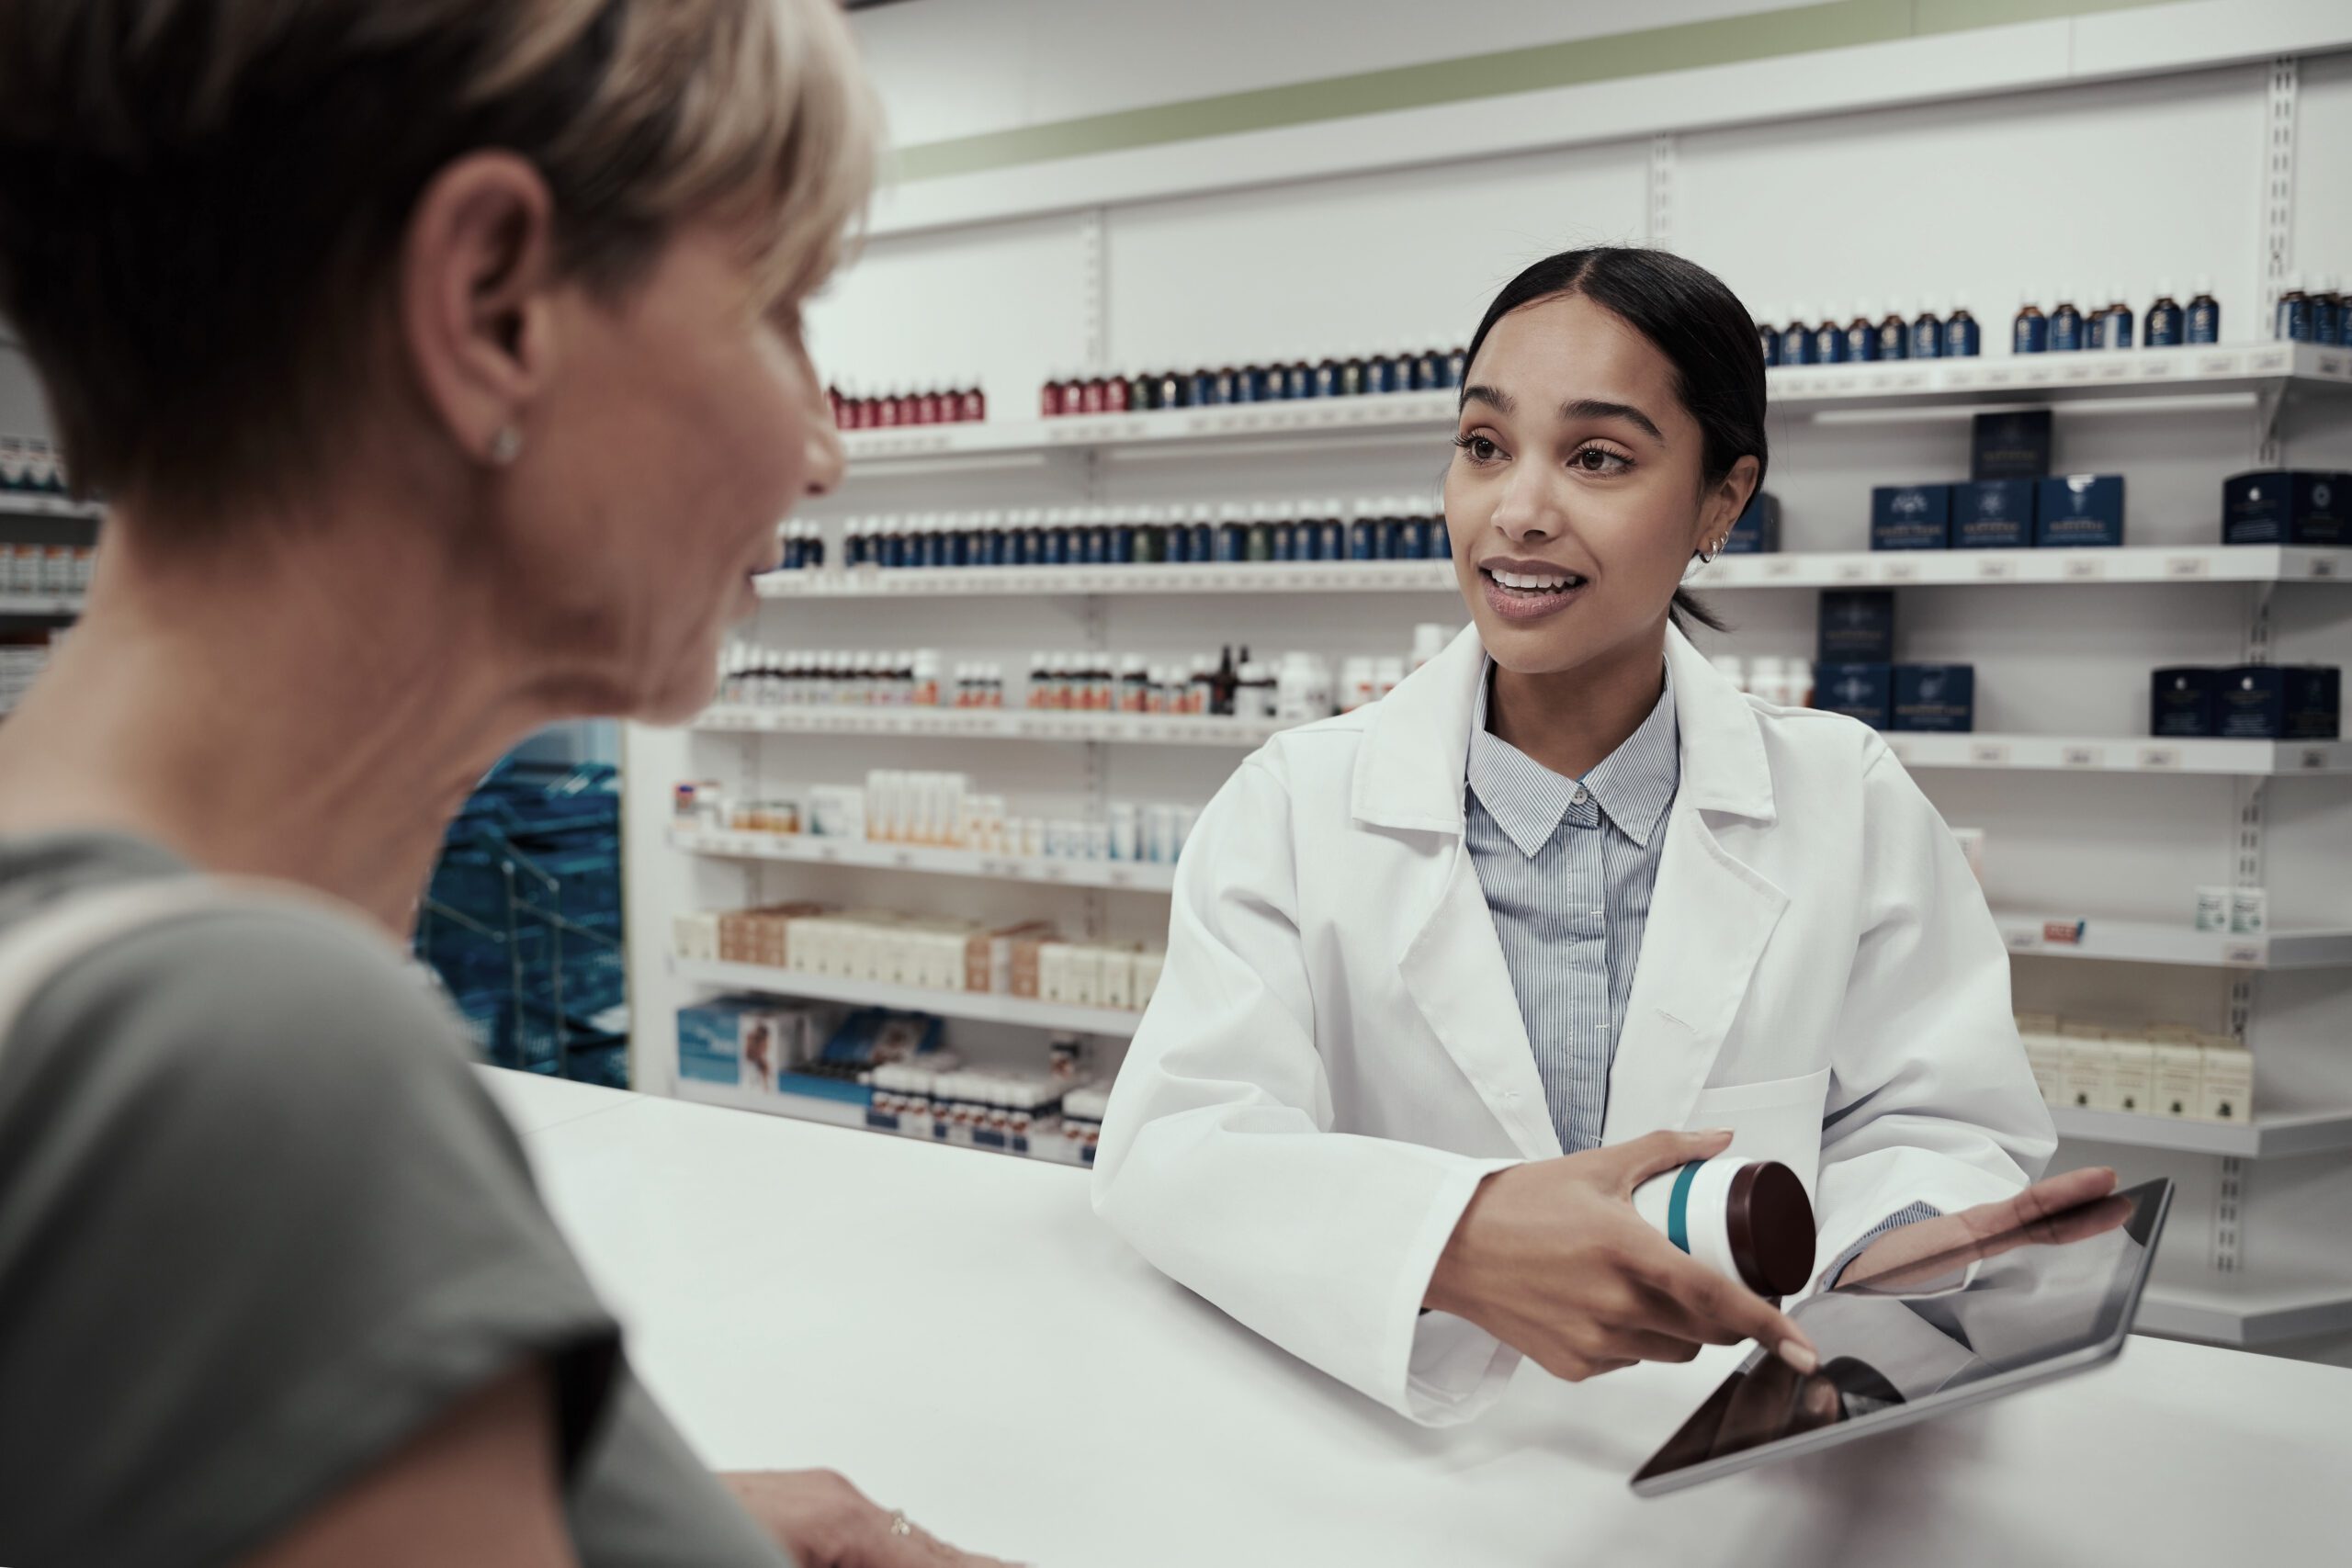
2180 1081
696 937
2132 1074
2228 1085
1053 972
2087 1084
1117 983
1084 967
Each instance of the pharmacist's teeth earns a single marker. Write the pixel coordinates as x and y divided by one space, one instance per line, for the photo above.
1517 580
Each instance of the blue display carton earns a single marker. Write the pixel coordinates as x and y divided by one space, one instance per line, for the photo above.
2286 507
2014 445
1859 691
2079 510
1911 517
1758 532
1993 515
1856 627
2279 702
2181 702
1939 698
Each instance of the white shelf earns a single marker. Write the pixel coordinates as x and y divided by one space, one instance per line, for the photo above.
2247 1310
984 1007
2028 378
2147 941
2266 1137
40 603
990 724
1851 568
1299 577
804 850
15 503
2140 755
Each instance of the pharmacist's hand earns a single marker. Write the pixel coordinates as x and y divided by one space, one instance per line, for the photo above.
824 1522
1551 1258
2048 1213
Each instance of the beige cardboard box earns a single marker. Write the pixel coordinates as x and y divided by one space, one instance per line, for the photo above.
1083 968
2086 1085
2132 1070
2045 1052
995 961
2228 1086
1053 972
2180 1081
1116 987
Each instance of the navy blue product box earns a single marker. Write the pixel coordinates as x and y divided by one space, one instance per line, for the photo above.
2079 509
1936 697
1859 691
1911 517
2276 702
2014 445
1993 515
1758 532
2286 508
1856 627
2180 701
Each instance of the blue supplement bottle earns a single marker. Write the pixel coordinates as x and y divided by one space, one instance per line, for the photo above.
1768 340
1893 334
2295 321
1428 371
1326 380
1204 546
1963 338
1828 340
2065 326
2165 321
1861 335
1298 380
2328 311
1453 366
2030 332
2119 320
2204 313
1796 339
1375 373
1928 332
1364 531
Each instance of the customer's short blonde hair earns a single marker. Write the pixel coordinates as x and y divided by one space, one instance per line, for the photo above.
201 200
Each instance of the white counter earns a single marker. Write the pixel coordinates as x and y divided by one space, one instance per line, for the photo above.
956 1333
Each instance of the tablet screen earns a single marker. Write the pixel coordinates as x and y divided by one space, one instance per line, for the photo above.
1939 1332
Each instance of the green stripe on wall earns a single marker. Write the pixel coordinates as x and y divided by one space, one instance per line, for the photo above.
1798 29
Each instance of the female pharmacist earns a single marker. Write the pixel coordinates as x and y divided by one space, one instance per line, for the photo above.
1447 976
443 364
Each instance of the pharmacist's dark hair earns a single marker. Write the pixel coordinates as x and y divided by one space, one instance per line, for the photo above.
1697 323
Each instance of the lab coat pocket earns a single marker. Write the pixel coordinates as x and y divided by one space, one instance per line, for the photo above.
1778 1119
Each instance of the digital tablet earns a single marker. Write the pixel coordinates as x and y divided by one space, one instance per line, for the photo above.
2039 1304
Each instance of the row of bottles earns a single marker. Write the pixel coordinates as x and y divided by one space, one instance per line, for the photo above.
2314 312
2076 320
1363 373
1373 528
30 465
959 402
1867 337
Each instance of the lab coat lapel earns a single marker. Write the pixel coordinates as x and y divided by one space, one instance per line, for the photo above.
1455 973
1409 778
1711 914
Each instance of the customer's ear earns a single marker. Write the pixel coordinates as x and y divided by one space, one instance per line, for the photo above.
477 324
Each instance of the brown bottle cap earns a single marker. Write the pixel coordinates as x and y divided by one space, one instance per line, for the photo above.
1769 1222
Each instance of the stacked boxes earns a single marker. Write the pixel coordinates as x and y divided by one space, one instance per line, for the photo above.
1856 674
2010 500
2247 702
2286 508
2164 1070
748 1041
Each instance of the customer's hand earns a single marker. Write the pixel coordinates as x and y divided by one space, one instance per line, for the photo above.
2048 1213
825 1522
1551 1258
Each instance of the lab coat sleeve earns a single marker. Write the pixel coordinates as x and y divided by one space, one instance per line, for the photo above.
1218 1161
1931 1100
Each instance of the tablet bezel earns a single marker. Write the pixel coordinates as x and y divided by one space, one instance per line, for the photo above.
1940 1403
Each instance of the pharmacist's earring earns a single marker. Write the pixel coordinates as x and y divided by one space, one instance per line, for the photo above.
1707 555
506 446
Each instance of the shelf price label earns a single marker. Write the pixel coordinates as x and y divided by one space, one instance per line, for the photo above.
2324 566
1853 571
2311 759
1902 572
2082 756
1988 754
1780 566
2159 757
2085 568
2242 953
2188 566
1991 568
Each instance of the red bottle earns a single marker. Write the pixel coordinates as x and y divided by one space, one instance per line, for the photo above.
886 411
1090 396
1114 395
1049 401
975 404
927 407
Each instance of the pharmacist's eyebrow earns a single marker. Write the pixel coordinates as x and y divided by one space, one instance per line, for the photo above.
1590 408
1501 402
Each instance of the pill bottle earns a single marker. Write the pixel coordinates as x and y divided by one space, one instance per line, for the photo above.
1748 1219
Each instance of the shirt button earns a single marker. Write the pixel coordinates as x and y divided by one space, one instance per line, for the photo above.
1580 797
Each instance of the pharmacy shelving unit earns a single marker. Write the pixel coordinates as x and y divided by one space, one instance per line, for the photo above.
15 503
41 606
2098 834
50 509
978 1006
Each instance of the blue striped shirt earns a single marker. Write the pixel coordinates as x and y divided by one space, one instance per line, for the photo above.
1568 866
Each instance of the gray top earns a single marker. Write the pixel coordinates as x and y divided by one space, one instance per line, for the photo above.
259 1225
1568 866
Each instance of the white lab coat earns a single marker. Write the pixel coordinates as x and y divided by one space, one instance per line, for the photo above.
1335 1056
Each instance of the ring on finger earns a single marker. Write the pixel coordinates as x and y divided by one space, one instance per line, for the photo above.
899 1524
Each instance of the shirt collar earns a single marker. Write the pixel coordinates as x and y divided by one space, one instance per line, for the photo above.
1632 785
